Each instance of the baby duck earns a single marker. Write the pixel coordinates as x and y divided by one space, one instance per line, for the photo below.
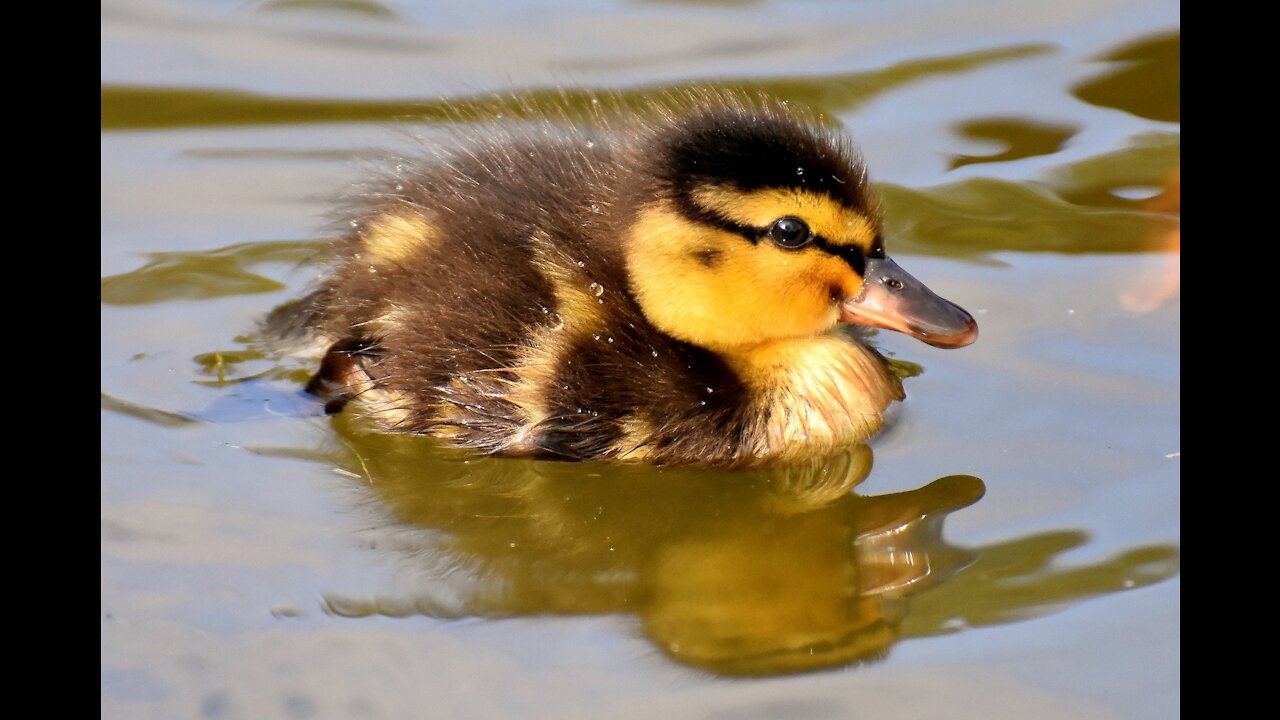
679 287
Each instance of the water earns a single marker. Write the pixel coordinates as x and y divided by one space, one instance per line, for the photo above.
1013 551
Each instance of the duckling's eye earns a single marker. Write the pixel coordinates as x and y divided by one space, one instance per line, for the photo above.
790 233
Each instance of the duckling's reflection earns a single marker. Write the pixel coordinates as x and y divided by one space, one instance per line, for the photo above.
740 573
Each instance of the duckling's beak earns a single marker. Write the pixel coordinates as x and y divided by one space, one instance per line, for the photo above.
891 299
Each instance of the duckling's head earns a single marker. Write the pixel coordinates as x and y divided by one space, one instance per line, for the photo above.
757 225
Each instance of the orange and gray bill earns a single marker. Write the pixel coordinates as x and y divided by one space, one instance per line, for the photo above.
892 299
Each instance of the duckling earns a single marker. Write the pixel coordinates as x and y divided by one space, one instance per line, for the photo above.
688 285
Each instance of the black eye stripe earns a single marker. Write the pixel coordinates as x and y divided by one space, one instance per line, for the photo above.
851 254
877 248
697 213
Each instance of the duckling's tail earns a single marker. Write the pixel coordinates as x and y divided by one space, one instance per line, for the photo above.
291 319
290 328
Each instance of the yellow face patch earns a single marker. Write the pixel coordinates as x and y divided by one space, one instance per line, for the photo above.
716 289
392 237
759 208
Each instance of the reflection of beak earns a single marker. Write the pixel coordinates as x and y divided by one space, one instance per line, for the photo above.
893 300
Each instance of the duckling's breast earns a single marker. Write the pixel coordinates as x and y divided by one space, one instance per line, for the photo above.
812 396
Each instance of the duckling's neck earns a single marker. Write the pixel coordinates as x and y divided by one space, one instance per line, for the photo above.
814 394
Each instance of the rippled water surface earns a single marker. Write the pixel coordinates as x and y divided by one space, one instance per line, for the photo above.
1007 548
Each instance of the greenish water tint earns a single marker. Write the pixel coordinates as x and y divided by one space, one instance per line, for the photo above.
1022 139
1078 210
152 415
205 275
1146 80
232 367
741 573
133 108
1023 579
1149 162
361 8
